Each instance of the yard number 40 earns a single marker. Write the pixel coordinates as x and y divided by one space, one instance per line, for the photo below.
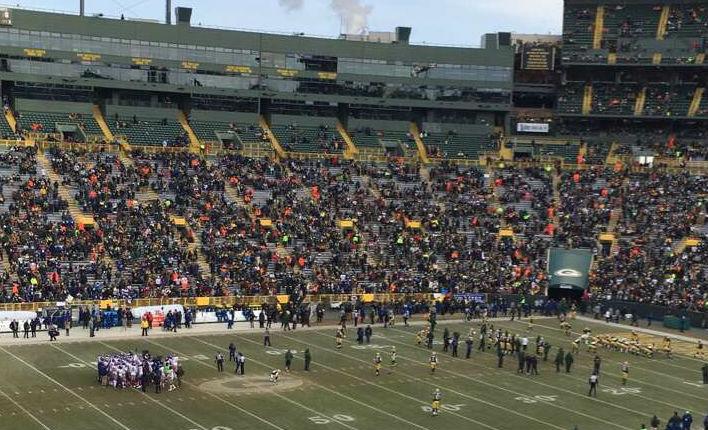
319 419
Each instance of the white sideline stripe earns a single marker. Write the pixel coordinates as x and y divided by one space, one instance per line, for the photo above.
329 389
510 391
272 391
235 406
639 381
115 421
20 407
144 394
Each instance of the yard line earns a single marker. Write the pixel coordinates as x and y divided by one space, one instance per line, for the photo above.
491 371
365 382
528 417
517 393
640 381
410 423
20 407
272 391
115 421
674 406
233 405
191 421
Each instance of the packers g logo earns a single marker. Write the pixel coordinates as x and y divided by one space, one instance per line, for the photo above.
570 273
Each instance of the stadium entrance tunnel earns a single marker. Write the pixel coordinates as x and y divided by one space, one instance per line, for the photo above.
246 385
573 294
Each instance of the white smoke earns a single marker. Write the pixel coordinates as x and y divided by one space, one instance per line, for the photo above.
291 5
354 15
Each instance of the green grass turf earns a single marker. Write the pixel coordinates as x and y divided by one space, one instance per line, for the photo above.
56 386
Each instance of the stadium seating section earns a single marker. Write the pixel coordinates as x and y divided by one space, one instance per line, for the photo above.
459 145
149 131
302 138
630 31
48 123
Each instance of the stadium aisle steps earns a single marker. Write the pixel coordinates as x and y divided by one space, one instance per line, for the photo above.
599 28
194 143
422 153
663 20
11 120
98 116
76 213
696 101
271 137
639 103
587 100
352 150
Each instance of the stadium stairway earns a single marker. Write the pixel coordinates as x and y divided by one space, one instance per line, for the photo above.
556 180
194 143
279 151
142 195
98 116
587 100
76 213
420 145
663 20
11 120
639 103
610 159
696 101
599 28
351 150
680 246
196 247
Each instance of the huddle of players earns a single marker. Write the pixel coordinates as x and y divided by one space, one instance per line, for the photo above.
130 370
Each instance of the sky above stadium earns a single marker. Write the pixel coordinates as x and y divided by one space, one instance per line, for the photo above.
446 22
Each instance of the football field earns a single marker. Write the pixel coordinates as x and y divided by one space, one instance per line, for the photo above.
54 386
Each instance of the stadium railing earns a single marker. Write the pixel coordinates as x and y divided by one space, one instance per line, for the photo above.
218 301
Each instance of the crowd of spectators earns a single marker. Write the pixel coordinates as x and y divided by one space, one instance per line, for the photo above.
412 229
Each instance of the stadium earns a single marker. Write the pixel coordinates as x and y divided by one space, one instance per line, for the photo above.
216 229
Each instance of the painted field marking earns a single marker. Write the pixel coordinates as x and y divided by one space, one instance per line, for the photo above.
333 391
235 406
144 394
503 389
640 381
273 392
29 414
115 421
463 417
561 389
